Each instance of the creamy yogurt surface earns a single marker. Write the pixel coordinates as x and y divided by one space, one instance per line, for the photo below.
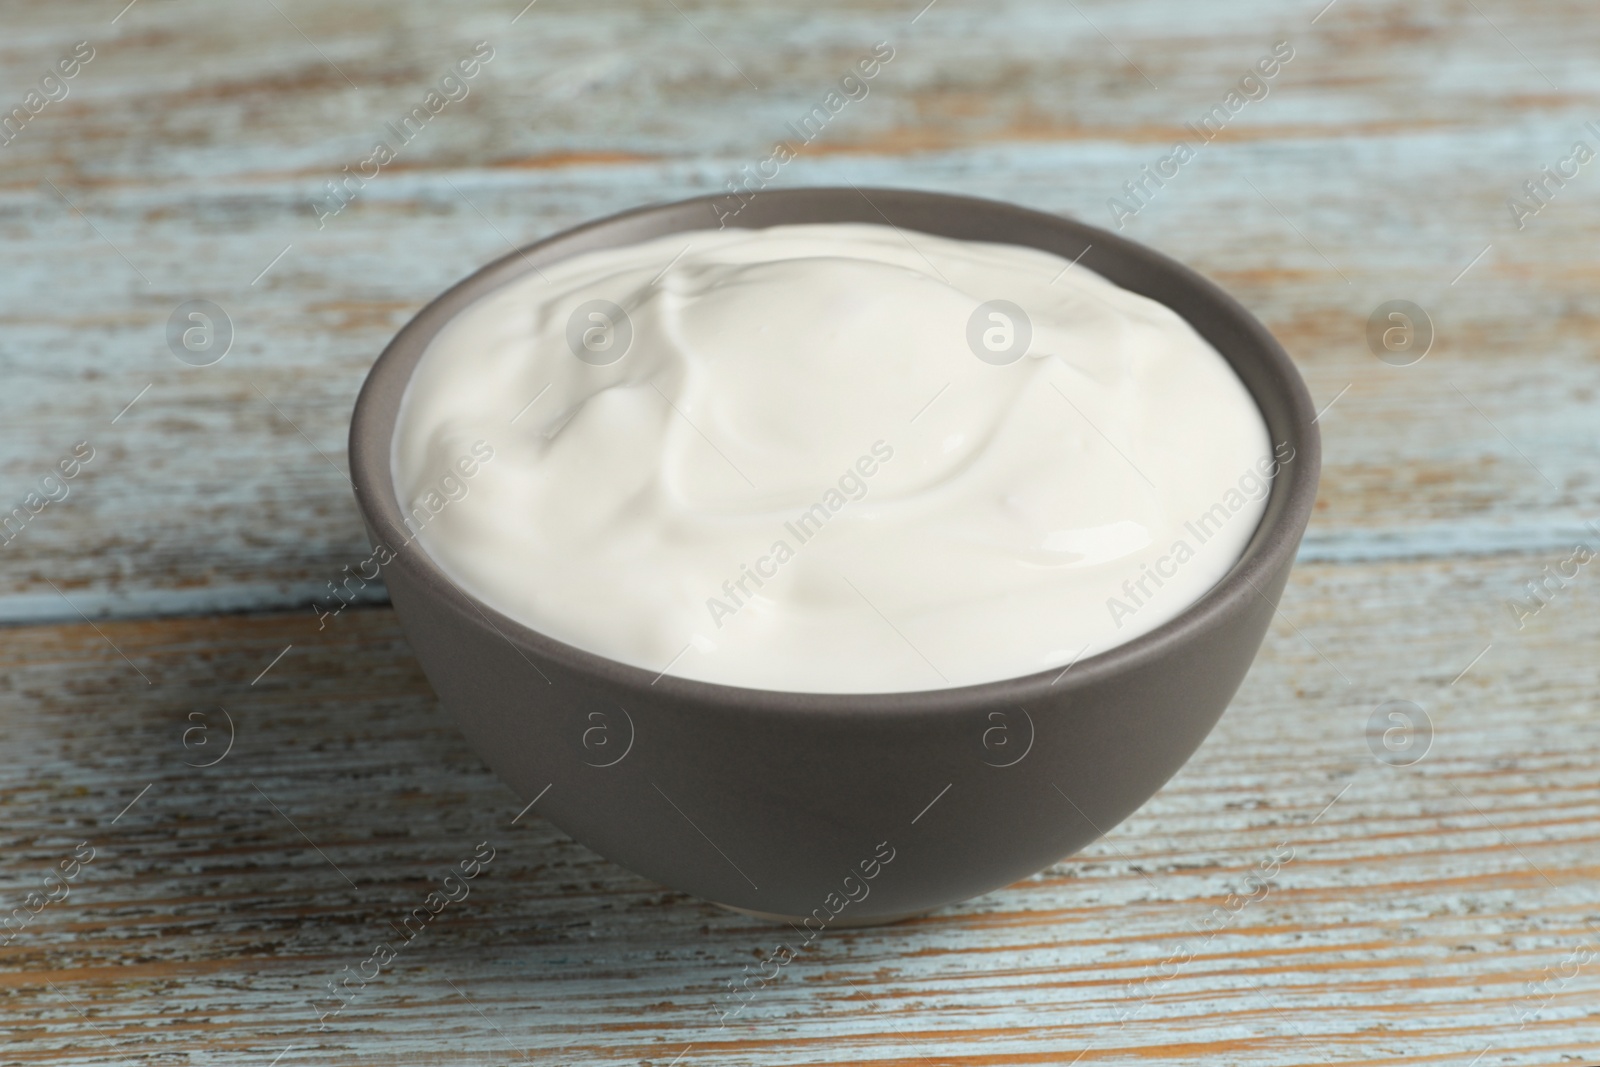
831 458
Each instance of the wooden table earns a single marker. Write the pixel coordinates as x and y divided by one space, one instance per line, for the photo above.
1435 901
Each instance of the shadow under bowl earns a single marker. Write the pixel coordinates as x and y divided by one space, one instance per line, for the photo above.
834 809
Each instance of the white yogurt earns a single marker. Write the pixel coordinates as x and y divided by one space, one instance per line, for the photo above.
823 462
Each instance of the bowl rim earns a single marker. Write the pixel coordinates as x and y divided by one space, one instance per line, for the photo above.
1271 547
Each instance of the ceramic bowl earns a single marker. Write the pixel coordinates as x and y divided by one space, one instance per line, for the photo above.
834 809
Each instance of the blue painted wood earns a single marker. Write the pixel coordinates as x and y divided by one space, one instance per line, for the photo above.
1434 913
1287 898
1377 168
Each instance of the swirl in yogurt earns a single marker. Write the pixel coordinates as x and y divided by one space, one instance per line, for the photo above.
832 458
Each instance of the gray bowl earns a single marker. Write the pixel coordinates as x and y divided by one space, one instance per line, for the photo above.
836 809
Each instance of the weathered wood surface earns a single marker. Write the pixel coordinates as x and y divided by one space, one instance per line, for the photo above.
1415 911
192 146
1412 907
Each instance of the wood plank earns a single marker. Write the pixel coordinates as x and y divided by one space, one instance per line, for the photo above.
1417 905
1381 162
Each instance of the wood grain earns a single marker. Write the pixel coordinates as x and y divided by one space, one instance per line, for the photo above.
1376 169
1428 914
1415 905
